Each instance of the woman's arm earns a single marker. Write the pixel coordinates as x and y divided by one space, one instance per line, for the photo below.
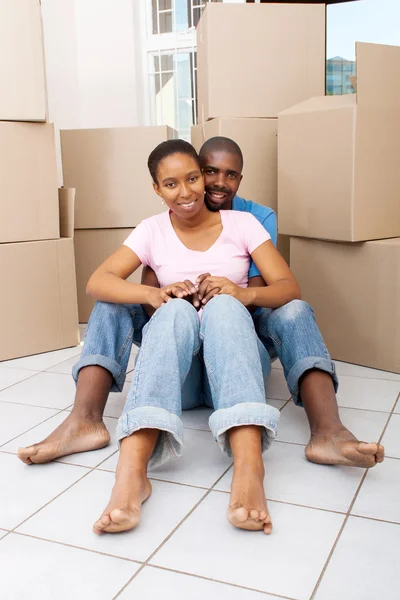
281 284
108 283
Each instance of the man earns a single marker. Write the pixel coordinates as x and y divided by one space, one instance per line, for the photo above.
289 332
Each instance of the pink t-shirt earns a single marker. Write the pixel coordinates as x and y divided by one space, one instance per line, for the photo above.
156 244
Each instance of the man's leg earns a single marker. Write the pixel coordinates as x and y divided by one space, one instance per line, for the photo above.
101 369
237 366
150 429
311 377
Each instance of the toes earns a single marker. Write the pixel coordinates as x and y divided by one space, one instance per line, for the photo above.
101 524
239 515
380 455
255 515
25 454
268 528
263 515
368 449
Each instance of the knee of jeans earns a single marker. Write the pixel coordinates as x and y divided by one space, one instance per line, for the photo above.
220 305
178 307
291 312
107 308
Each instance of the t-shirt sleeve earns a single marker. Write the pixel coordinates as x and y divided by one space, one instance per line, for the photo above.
139 241
254 233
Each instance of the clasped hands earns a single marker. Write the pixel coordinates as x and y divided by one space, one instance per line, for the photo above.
199 293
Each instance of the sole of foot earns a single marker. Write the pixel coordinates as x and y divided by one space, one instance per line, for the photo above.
123 511
342 448
72 436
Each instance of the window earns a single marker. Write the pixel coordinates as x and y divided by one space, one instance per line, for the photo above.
375 21
176 15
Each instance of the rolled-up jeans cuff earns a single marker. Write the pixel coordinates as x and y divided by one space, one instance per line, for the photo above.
170 442
246 413
306 364
99 360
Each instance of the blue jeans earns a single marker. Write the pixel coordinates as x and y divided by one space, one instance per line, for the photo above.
176 348
289 332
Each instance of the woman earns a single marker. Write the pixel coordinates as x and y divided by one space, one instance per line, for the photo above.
180 245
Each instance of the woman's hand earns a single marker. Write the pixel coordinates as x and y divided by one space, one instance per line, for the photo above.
182 289
210 286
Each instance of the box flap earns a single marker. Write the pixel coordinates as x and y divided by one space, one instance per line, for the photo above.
353 81
66 199
378 68
321 103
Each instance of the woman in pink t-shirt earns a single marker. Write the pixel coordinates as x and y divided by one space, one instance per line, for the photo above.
191 333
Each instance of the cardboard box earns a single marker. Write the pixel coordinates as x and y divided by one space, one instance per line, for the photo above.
283 245
109 171
28 182
22 67
38 304
92 247
338 157
257 139
355 292
255 60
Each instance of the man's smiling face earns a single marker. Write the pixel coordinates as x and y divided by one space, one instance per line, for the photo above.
222 176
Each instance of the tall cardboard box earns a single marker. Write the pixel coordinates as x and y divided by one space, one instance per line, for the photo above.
22 67
257 139
92 247
108 168
338 157
38 303
355 292
28 182
255 60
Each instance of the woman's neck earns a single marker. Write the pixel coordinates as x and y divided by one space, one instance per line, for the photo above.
203 216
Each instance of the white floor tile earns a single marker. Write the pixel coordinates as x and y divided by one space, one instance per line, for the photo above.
86 459
290 477
287 563
391 439
116 402
276 364
201 463
65 366
365 564
152 583
277 387
197 418
132 359
40 362
70 518
51 390
2 533
358 371
364 424
11 376
129 376
371 394
279 404
16 418
40 570
397 407
28 488
380 492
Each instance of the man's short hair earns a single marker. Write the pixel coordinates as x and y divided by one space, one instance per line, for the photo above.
220 144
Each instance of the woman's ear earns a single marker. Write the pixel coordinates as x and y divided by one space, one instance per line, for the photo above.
157 189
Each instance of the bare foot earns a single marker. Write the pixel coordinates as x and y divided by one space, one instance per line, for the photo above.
341 448
248 507
73 435
131 489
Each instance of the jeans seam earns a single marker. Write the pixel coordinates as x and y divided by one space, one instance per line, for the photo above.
128 342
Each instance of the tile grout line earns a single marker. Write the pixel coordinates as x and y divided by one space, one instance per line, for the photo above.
203 577
348 514
34 405
30 428
168 537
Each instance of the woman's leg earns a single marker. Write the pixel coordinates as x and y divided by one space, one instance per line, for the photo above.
238 366
150 430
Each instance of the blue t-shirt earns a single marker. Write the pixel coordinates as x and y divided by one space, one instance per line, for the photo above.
264 215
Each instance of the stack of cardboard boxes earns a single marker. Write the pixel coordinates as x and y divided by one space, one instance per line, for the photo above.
114 193
38 306
253 61
339 193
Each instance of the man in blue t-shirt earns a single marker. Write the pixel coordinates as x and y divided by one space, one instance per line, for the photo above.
289 332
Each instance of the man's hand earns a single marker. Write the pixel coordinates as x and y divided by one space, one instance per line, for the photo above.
211 286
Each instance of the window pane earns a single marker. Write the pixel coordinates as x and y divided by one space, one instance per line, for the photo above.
182 66
374 21
165 4
167 62
185 114
154 10
156 64
181 14
165 22
165 78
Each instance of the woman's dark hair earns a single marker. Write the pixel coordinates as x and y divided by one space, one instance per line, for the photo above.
167 149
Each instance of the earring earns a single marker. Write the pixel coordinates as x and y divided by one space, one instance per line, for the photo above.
163 202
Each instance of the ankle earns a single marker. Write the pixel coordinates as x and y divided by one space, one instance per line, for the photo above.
250 464
323 429
87 414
